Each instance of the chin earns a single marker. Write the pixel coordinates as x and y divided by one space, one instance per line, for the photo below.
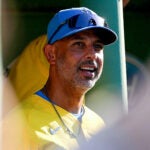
87 85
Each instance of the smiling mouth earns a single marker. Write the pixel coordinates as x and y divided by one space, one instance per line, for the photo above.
88 69
88 72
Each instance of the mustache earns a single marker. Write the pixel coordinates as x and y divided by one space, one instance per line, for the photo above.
89 63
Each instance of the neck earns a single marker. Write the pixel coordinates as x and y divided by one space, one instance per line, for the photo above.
67 98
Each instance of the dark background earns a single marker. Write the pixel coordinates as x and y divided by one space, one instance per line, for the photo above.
25 20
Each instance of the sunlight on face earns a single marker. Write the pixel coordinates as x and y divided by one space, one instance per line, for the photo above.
80 59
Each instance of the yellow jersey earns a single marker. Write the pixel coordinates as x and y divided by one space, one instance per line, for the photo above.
43 129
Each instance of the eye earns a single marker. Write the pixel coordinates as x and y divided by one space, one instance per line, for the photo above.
79 44
98 47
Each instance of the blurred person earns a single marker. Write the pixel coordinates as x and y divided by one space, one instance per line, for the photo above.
55 116
12 126
137 77
8 96
35 76
131 132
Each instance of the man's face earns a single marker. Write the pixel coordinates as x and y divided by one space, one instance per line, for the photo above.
79 60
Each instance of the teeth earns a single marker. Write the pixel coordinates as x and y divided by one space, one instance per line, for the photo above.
87 68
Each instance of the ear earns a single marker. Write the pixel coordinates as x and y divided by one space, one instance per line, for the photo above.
49 52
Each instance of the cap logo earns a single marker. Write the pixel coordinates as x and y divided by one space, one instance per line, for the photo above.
92 22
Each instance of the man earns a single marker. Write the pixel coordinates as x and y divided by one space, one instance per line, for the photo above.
55 116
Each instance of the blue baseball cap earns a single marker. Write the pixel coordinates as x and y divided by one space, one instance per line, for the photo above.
70 21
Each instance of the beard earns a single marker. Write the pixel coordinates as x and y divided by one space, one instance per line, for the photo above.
71 75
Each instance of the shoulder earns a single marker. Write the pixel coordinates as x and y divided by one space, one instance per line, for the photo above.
92 121
33 108
92 115
36 103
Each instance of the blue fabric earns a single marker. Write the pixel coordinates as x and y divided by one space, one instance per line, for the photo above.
41 94
70 21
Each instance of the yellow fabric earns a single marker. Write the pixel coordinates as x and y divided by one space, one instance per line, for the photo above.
41 118
30 70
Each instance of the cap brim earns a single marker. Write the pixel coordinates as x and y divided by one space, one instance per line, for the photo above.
106 35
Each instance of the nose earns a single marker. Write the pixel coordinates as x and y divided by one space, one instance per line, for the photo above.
91 53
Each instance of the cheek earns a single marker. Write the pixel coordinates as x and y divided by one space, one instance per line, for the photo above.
100 58
66 63
73 59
